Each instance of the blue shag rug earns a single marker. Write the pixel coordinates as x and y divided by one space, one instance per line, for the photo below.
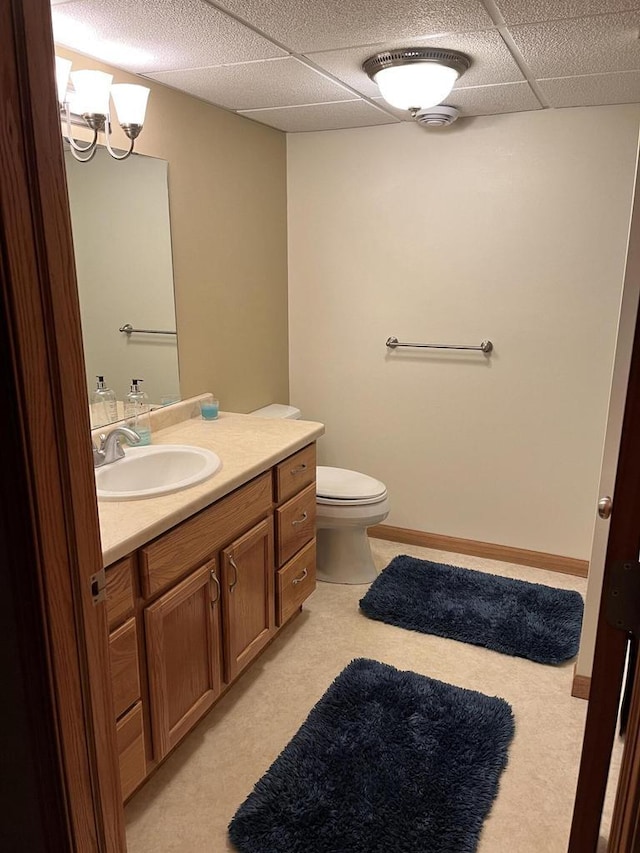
514 617
386 762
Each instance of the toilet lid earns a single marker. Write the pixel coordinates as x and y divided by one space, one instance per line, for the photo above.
342 484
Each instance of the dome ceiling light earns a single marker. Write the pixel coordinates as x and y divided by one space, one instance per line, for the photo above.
416 78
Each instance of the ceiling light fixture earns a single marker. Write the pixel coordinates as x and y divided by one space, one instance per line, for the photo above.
92 90
416 78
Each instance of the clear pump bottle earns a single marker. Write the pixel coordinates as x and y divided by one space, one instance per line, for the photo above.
136 411
104 409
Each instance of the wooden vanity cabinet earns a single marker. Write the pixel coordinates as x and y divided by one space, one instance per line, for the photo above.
295 582
125 642
183 656
200 602
248 597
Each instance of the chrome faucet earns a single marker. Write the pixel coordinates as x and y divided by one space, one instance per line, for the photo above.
110 449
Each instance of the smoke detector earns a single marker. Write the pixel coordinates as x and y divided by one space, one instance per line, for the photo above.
439 116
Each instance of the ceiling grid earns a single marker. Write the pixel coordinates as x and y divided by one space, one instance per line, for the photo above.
297 64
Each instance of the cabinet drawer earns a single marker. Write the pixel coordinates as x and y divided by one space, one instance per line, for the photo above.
120 591
296 523
123 660
131 754
295 473
173 554
295 582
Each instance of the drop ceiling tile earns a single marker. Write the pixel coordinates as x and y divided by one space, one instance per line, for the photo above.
157 35
581 46
322 116
492 100
484 101
491 61
593 90
256 85
530 11
305 25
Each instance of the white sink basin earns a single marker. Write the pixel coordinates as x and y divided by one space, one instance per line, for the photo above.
146 472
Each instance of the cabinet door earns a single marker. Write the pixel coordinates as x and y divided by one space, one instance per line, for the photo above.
248 595
183 656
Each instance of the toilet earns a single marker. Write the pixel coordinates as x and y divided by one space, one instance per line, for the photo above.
347 503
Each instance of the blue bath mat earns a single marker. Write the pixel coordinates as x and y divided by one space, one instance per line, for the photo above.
515 617
386 762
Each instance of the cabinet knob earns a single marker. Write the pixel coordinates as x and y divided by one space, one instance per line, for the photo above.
300 520
299 468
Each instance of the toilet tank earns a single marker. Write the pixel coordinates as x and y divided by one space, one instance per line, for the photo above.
277 410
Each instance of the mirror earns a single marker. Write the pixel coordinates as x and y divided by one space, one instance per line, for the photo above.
122 243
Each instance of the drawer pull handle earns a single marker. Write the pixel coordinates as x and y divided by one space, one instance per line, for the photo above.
301 578
214 578
232 563
300 520
299 469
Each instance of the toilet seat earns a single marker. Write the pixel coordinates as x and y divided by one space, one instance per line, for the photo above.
343 487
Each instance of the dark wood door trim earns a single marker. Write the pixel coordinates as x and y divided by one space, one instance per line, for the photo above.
608 665
625 826
49 534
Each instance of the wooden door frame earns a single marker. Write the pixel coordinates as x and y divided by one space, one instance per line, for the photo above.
625 826
64 792
60 731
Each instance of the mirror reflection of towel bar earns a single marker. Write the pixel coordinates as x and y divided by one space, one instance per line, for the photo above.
485 346
129 330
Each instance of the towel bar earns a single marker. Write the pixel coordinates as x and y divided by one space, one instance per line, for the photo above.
485 346
129 330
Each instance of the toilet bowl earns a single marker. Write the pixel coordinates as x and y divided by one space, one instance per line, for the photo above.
347 503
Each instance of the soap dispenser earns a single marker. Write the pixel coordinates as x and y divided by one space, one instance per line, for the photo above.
104 409
136 411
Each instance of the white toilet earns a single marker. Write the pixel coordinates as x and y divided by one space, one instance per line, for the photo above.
347 502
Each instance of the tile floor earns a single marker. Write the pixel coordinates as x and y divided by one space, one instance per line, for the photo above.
188 803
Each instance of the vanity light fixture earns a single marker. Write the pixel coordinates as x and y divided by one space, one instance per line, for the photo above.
416 78
92 90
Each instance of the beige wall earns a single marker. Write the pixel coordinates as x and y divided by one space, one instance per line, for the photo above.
227 194
509 227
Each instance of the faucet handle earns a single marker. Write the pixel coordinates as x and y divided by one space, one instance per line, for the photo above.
98 452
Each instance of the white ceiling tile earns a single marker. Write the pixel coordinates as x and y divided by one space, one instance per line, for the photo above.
322 116
157 35
491 61
491 100
529 11
256 85
305 25
593 90
582 46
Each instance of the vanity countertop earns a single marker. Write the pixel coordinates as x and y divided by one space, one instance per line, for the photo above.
247 446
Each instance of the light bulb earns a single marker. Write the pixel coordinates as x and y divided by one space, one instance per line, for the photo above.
416 85
63 67
130 101
91 92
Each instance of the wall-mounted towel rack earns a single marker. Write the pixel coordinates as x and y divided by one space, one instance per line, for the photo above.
129 330
485 346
